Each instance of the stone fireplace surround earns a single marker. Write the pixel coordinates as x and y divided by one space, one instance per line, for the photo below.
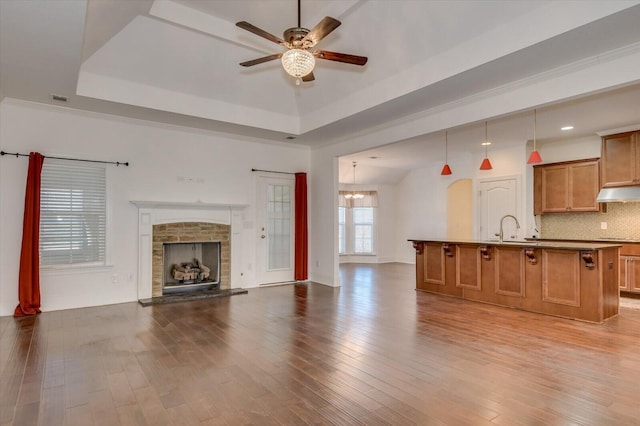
189 232
197 220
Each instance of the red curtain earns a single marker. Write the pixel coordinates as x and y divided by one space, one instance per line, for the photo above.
29 279
301 236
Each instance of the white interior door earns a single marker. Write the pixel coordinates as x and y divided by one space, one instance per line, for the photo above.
275 201
498 198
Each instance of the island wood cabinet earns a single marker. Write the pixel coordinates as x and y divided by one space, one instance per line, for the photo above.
630 268
621 159
571 282
567 187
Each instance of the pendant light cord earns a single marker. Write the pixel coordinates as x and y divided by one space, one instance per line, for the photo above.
486 141
446 147
535 124
354 172
299 14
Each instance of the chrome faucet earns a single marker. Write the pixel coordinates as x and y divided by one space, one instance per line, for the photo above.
501 233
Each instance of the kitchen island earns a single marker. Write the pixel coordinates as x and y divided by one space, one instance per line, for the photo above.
577 280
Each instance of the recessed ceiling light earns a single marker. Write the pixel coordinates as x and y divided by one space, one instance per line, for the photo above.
485 143
565 128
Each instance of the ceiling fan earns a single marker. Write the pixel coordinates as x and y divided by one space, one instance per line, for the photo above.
298 61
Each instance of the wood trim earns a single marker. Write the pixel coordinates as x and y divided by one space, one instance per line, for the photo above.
418 247
589 258
530 253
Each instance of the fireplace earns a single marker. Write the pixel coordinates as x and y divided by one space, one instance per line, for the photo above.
190 266
190 242
161 223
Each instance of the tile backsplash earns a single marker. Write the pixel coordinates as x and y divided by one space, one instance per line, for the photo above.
623 221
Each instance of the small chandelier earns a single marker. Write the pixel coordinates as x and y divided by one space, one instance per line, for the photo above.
354 195
298 63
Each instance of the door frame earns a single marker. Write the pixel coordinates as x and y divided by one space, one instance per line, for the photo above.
519 202
261 179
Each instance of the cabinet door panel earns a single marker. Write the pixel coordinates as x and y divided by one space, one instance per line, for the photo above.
619 160
561 277
584 185
510 271
434 269
468 267
555 187
633 275
623 279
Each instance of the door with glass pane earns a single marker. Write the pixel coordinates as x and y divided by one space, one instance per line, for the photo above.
275 230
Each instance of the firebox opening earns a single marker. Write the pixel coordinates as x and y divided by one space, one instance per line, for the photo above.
191 266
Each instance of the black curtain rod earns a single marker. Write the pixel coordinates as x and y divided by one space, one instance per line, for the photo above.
272 171
117 163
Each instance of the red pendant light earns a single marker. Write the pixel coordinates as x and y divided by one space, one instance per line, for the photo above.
535 155
446 170
486 164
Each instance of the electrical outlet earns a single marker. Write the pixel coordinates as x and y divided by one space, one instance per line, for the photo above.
115 279
603 225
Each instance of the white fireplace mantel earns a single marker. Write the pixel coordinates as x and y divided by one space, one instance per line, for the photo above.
162 212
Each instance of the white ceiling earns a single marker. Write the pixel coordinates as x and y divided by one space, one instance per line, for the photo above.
176 61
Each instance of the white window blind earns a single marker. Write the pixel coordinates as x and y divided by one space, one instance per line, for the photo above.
72 214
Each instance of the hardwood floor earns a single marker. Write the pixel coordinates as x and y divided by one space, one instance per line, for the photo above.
372 352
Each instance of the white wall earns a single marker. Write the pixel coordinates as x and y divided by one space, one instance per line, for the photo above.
158 154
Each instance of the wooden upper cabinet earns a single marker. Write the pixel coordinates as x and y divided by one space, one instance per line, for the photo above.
567 187
621 160
584 185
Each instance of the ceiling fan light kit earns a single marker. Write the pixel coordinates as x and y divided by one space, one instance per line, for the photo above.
298 61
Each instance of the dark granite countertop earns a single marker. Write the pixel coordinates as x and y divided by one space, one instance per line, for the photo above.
540 243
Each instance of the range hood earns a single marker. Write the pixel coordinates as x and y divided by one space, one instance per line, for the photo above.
619 195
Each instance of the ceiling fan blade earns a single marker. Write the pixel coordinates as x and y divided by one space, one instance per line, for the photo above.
309 77
261 60
321 30
340 57
257 31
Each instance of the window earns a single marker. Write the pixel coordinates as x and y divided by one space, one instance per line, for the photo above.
356 230
362 230
342 220
72 214
279 228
